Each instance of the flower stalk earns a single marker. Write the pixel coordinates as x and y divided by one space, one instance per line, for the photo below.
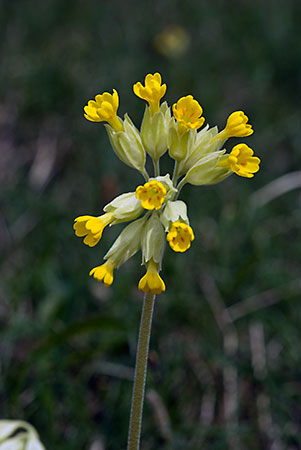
155 214
140 372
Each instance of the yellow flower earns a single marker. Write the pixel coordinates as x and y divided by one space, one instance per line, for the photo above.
104 273
236 126
188 112
151 281
241 161
180 236
92 227
151 194
104 109
152 92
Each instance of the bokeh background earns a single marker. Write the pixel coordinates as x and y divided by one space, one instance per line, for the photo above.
225 361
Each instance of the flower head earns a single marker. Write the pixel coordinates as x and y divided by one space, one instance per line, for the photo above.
180 237
92 227
241 161
151 194
104 273
152 92
155 213
104 109
151 281
188 113
236 126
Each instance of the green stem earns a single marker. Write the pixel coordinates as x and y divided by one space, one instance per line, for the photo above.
156 167
179 187
175 173
140 372
145 174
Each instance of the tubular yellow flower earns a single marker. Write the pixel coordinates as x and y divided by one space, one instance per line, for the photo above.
188 112
152 92
104 273
151 194
151 281
104 109
92 227
236 126
180 237
241 161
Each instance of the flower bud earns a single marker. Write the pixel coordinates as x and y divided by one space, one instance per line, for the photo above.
127 145
154 131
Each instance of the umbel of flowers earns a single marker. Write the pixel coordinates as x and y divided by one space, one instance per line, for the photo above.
153 209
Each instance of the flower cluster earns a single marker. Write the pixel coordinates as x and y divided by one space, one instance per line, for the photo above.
153 210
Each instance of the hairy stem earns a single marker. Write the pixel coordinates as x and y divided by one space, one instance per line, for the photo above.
140 372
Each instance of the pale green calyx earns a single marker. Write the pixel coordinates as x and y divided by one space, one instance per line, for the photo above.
201 146
154 131
127 144
153 240
219 174
179 144
174 212
203 170
126 207
127 243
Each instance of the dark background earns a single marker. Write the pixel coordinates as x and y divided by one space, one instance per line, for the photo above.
225 359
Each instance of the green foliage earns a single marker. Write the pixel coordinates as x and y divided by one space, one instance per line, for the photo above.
67 343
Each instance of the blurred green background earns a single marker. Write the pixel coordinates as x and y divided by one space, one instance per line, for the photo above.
225 362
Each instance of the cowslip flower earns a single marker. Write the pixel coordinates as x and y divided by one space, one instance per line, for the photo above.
241 161
152 92
154 213
151 281
151 194
188 113
236 126
92 227
180 236
104 109
104 273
